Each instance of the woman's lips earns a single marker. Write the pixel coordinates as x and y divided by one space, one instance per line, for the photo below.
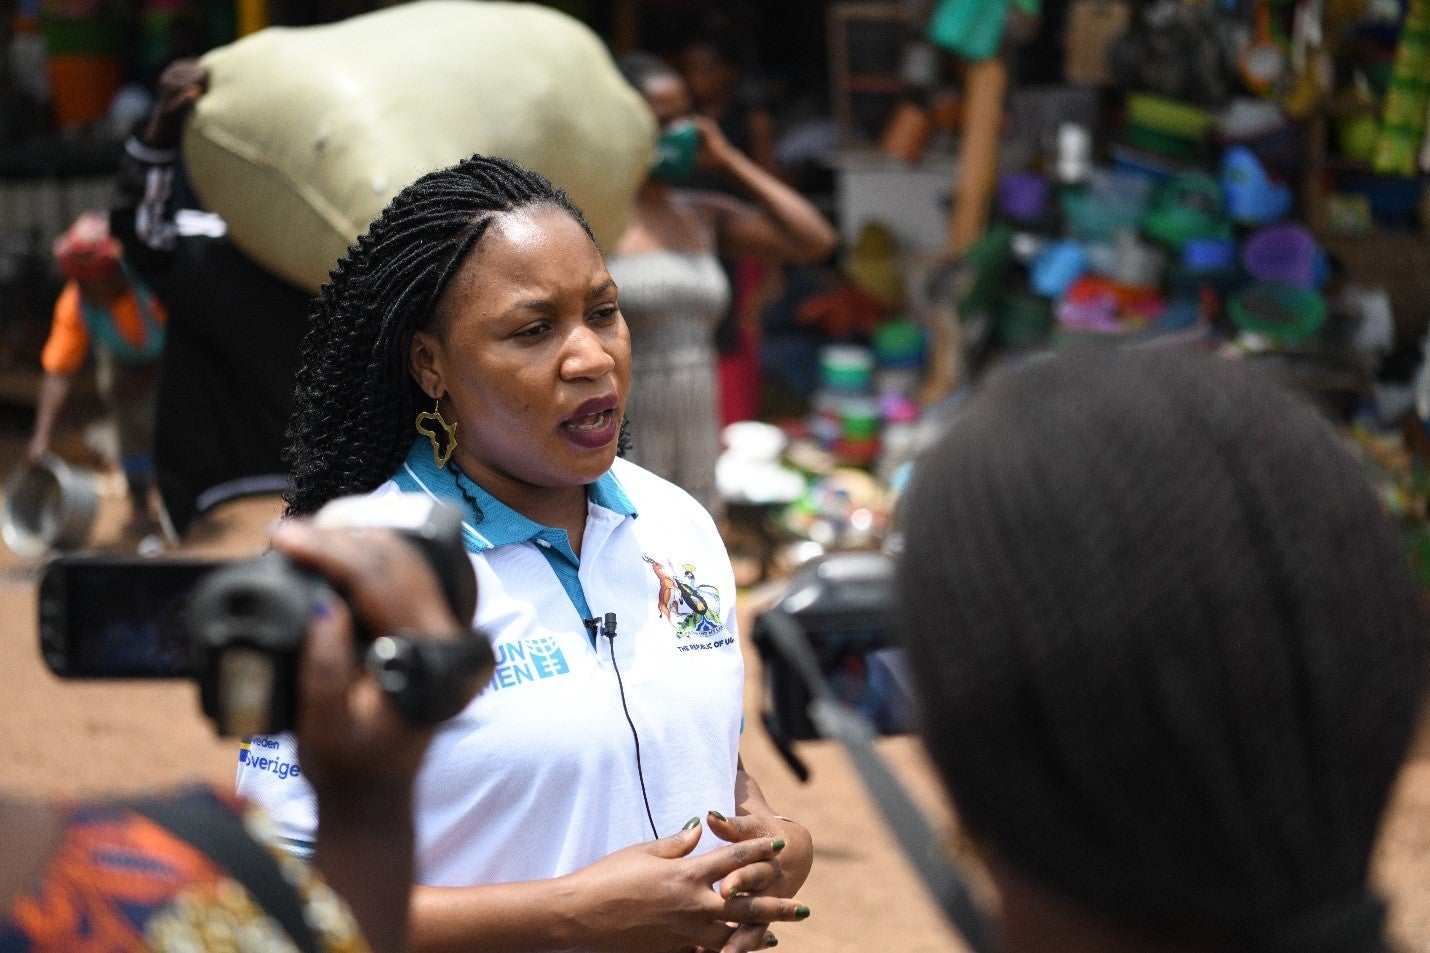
592 431
592 405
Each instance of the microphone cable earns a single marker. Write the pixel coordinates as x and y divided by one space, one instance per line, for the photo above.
608 629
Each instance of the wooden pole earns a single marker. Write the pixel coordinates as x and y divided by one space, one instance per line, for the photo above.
985 85
252 16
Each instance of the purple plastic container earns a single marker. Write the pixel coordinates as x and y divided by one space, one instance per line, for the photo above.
1022 196
1284 253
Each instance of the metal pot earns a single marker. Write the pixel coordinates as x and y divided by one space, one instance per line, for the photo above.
48 505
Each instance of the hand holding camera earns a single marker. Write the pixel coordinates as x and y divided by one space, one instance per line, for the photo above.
350 738
359 746
351 632
245 621
239 629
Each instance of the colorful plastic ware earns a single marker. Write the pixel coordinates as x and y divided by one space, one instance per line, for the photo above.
1251 197
1284 313
1187 206
1168 116
1022 196
1281 253
1057 267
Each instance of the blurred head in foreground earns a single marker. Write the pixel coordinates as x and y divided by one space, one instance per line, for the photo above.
1169 655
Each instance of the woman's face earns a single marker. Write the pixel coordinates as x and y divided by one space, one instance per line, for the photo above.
707 72
668 99
532 353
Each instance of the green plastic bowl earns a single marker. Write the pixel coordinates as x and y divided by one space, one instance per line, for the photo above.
1283 313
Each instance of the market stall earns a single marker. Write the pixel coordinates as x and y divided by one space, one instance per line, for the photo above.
1247 178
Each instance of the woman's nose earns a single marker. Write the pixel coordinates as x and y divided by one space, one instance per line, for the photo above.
586 355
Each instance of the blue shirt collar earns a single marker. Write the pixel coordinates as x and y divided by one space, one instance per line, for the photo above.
500 525
608 493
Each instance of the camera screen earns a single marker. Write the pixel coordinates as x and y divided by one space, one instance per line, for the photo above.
124 620
876 685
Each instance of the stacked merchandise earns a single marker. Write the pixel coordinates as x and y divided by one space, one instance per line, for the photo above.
829 481
1191 221
865 406
1157 246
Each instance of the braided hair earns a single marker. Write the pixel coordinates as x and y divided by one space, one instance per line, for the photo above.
1169 654
355 398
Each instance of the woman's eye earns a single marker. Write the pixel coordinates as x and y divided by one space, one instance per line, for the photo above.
532 330
606 314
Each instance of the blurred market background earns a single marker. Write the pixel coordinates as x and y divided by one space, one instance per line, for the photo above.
1008 178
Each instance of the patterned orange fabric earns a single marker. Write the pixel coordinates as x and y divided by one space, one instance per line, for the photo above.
121 883
111 874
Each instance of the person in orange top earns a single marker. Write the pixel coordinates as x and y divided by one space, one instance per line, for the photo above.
103 309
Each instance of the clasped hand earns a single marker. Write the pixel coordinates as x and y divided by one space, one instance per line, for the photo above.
656 897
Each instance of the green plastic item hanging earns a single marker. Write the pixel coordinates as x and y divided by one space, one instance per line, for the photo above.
973 29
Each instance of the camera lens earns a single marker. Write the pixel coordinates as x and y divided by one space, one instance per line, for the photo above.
242 603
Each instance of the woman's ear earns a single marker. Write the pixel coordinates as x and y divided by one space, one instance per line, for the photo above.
425 363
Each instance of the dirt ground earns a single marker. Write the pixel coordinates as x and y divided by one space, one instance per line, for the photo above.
62 740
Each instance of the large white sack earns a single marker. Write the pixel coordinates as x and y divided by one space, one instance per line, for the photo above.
306 133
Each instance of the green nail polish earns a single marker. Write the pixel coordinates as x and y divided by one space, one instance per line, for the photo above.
801 912
772 940
691 824
778 845
718 816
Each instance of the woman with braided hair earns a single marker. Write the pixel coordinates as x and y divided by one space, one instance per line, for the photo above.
471 347
1169 656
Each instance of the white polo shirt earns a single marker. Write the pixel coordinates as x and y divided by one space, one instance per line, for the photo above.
538 777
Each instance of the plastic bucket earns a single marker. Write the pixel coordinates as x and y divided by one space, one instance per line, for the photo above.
1209 255
1281 253
82 86
1284 313
1096 220
846 367
48 505
1023 196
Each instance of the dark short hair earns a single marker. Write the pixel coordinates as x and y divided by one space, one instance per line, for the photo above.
642 69
1166 643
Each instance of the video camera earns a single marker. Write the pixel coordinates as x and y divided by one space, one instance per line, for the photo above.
842 608
832 671
237 628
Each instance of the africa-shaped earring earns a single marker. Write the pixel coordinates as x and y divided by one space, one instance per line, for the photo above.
442 447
